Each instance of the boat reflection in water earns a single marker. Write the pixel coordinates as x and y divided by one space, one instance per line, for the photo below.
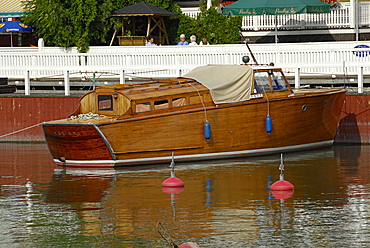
224 203
227 201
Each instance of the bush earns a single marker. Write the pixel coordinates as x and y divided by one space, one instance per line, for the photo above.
212 25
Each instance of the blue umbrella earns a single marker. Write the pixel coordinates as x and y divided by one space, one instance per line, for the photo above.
14 27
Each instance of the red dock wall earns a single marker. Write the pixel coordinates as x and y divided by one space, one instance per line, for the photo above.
20 112
354 126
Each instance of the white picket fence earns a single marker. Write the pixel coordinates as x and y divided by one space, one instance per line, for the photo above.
123 63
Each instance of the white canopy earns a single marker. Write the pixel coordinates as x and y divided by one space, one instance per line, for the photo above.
227 83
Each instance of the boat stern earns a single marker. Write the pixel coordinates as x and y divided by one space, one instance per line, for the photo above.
78 145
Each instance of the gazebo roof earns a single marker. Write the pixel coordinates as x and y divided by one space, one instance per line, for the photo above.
142 9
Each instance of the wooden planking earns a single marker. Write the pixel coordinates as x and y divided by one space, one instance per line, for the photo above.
83 142
234 128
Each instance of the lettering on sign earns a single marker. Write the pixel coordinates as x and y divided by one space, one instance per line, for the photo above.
248 12
66 133
285 11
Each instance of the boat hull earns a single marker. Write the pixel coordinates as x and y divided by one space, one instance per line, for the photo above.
299 122
84 142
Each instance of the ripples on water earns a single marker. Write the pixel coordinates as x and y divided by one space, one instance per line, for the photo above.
223 204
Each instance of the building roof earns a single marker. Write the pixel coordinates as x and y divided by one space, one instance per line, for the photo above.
142 9
11 8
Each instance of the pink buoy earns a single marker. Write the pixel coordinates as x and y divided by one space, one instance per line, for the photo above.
173 181
282 189
189 245
282 186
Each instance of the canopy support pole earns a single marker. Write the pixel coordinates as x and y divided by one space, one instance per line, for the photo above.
148 31
114 35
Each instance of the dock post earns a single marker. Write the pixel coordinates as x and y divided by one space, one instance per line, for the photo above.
122 77
297 78
67 89
27 84
360 80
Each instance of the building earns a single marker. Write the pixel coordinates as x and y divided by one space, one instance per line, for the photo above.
10 9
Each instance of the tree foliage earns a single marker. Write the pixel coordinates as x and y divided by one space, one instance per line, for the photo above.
70 22
78 23
212 25
83 23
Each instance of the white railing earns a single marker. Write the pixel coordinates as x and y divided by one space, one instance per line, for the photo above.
283 54
122 63
342 17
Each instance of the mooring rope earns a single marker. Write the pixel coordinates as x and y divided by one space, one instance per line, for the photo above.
165 235
200 97
87 116
4 135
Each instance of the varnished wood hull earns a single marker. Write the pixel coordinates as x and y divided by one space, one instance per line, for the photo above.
300 122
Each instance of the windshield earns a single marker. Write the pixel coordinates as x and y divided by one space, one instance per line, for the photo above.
262 81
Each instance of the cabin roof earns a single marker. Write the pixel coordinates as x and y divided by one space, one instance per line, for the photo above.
227 83
166 87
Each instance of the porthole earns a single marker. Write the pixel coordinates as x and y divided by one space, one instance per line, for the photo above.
304 108
325 102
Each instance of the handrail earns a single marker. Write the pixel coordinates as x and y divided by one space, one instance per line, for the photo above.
171 61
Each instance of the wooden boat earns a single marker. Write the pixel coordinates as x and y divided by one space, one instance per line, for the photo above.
213 112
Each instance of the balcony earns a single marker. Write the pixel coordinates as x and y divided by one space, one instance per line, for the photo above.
341 18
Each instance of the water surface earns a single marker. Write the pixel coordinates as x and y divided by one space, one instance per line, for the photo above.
223 204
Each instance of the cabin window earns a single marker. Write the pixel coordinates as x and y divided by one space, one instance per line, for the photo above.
161 104
143 107
105 102
178 102
261 82
278 81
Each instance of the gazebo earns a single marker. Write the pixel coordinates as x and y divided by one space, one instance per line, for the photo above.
155 20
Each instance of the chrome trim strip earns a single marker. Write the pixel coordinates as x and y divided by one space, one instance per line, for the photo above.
194 157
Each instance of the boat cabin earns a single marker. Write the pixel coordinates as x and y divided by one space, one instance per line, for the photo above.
200 88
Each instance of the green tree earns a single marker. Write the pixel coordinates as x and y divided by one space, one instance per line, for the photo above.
83 23
78 23
70 22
